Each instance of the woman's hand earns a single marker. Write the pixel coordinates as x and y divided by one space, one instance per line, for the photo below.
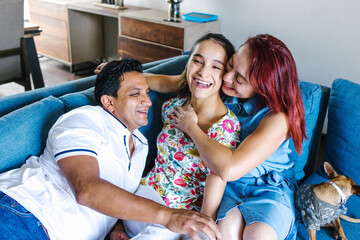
98 68
184 119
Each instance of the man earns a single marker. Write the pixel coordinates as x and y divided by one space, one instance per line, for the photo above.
92 163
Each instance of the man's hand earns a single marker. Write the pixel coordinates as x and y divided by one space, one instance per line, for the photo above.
188 222
98 68
184 119
118 232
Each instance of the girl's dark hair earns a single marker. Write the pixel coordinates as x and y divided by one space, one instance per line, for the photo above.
109 80
183 89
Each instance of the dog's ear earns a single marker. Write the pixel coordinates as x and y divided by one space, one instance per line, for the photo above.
355 190
329 170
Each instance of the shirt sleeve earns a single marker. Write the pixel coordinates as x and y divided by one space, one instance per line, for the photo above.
167 109
77 133
228 131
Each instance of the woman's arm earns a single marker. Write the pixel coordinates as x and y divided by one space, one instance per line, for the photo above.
214 189
255 149
162 83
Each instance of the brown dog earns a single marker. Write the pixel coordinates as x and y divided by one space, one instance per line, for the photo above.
324 204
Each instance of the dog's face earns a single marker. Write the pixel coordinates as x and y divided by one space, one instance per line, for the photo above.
346 184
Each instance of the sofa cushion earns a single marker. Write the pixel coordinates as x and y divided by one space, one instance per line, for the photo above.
13 102
24 132
173 66
78 99
312 96
158 62
343 133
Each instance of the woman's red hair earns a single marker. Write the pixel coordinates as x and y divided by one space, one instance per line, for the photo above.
274 77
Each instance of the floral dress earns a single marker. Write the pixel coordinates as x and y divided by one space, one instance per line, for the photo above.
179 174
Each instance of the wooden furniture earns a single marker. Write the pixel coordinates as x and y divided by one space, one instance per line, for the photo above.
30 31
145 35
93 31
76 31
52 17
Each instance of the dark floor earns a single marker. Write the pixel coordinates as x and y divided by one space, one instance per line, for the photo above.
55 72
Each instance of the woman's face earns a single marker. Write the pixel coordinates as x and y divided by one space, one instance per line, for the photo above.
205 69
236 79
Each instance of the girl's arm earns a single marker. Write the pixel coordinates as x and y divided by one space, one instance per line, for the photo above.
162 83
214 189
157 82
255 149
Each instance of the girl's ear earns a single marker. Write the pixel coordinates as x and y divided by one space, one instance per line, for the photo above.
107 102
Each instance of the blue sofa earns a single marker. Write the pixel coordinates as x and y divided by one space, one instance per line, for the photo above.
26 118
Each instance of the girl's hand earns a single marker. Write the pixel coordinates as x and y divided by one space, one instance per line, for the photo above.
184 119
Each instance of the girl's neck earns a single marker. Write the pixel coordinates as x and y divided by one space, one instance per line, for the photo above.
209 110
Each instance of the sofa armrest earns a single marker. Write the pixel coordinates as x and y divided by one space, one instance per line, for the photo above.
12 102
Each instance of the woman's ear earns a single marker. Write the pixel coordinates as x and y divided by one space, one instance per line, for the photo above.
107 102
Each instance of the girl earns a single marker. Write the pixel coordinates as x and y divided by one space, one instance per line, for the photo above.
178 178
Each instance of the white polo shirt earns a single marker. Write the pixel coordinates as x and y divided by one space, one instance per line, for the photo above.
41 188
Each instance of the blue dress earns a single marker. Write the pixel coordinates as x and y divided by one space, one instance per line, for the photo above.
265 194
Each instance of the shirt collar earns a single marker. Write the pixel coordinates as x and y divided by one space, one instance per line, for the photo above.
136 133
249 106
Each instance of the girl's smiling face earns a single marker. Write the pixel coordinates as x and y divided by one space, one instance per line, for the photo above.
206 68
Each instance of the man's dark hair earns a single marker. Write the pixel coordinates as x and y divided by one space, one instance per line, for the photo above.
109 80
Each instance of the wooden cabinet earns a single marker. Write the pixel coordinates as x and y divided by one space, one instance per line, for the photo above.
51 16
145 35
76 31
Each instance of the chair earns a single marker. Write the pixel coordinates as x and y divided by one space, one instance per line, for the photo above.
14 66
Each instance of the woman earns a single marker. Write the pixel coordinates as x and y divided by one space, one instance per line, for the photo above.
261 81
178 178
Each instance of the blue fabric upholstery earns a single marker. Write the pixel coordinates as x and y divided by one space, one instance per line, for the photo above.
315 102
23 132
12 102
177 66
343 133
78 99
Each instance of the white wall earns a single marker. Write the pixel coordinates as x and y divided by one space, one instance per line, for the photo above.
323 35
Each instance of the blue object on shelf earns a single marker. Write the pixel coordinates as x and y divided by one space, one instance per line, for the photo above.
199 17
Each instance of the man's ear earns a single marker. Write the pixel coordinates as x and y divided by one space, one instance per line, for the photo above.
107 102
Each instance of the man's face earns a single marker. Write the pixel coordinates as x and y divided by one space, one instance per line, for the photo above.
132 103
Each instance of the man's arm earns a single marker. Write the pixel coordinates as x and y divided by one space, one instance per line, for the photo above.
82 173
214 190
